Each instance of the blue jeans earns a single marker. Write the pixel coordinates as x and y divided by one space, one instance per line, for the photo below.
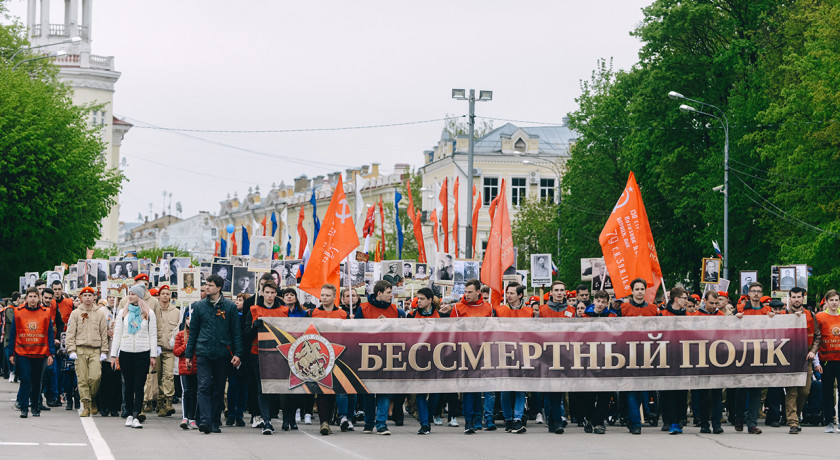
517 410
50 377
382 404
634 414
30 371
472 409
345 406
425 403
489 408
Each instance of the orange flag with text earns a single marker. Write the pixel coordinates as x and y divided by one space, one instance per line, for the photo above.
627 244
336 240
499 253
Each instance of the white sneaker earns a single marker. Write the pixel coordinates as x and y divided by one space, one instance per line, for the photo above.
297 416
539 419
438 421
256 422
135 423
11 377
307 419
453 422
350 426
129 420
829 428
193 425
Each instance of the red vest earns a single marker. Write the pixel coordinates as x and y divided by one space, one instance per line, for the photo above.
32 332
416 314
505 311
65 307
321 313
371 312
628 309
547 312
476 310
258 311
749 310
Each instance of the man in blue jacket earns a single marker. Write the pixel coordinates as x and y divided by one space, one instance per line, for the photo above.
216 340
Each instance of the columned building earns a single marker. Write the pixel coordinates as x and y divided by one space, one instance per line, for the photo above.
92 78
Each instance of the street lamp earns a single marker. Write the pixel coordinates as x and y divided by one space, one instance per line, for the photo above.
46 56
70 40
483 96
557 172
725 123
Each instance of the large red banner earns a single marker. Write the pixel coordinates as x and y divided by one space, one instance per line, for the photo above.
516 354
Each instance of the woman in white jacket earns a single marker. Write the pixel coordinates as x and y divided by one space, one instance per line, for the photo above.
134 349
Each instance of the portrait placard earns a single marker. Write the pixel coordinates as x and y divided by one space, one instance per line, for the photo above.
541 270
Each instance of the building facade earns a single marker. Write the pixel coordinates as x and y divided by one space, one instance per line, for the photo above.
92 78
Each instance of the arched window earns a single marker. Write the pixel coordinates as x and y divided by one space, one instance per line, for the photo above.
519 145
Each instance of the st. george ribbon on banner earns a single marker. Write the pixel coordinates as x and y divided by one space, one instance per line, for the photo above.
306 355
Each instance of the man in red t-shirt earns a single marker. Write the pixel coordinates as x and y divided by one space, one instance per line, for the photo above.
829 325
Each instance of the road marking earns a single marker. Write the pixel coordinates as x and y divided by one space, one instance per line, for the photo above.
18 444
333 445
66 444
97 442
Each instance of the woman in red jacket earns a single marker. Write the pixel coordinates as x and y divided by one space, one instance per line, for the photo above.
189 381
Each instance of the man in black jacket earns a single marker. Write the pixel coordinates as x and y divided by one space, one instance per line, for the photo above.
216 340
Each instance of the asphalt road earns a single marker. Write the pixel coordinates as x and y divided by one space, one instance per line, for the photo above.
63 434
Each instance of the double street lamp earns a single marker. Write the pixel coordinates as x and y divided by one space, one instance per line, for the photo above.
483 96
63 42
725 123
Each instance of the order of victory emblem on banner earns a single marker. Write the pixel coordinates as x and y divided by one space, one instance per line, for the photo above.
311 358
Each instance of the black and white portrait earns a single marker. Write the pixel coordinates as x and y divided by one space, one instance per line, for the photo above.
421 272
53 276
458 271
261 254
407 269
87 273
444 267
787 278
168 254
290 272
540 269
356 270
747 277
243 281
600 277
711 271
226 272
471 270
392 272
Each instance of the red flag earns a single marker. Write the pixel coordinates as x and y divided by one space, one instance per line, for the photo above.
263 224
336 240
382 223
216 252
377 256
233 243
418 227
302 239
444 218
434 218
370 222
499 254
476 208
493 205
455 220
627 244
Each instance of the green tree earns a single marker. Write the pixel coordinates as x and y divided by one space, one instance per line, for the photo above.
409 251
54 185
458 126
534 230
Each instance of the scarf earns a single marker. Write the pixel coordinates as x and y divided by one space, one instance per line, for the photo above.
134 319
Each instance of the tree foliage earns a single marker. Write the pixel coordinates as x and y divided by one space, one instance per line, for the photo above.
460 127
54 185
534 230
774 69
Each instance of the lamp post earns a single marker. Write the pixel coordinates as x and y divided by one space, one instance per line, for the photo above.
725 123
557 172
483 96
46 56
70 40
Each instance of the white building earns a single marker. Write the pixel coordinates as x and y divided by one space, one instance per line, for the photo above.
92 78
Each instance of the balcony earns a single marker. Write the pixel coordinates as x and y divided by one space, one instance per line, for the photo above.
94 61
59 31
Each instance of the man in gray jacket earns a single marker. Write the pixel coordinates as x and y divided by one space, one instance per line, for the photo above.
216 340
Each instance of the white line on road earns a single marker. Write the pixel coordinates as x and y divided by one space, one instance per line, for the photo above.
18 444
66 444
97 442
333 445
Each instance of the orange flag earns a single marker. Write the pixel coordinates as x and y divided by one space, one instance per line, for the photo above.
233 243
382 221
418 227
302 239
476 208
455 220
433 217
444 217
627 244
499 254
493 204
336 240
377 257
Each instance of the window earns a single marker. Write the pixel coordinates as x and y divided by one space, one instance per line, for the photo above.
519 145
98 117
491 189
547 189
517 190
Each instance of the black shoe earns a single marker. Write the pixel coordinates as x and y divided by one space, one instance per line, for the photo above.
469 430
559 430
41 406
240 422
217 429
267 429
794 430
285 426
103 413
77 403
508 425
775 424
116 413
141 417
717 430
587 428
491 427
36 413
293 425
69 405
230 421
599 429
705 430
552 426
125 414
24 413
424 430
204 428
54 402
517 427
636 430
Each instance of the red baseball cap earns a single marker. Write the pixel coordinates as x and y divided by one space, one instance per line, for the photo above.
87 289
141 277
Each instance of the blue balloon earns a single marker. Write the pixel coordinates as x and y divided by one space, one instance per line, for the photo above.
230 228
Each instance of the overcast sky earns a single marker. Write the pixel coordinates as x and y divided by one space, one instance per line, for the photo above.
272 65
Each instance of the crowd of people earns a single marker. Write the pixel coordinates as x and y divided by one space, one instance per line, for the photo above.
140 354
